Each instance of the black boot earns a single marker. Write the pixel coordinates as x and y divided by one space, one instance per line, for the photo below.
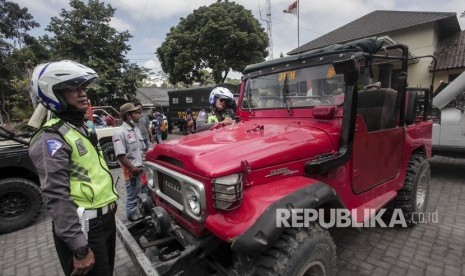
135 216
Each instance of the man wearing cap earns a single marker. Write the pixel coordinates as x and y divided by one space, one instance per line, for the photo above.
129 146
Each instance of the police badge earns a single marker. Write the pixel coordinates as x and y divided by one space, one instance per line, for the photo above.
81 148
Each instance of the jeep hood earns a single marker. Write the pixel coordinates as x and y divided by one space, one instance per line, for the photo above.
261 143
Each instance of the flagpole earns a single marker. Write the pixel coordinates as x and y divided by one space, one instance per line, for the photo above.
294 8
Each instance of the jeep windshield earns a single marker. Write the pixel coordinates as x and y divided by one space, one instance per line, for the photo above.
296 88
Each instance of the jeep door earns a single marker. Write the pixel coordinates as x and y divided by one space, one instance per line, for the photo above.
378 141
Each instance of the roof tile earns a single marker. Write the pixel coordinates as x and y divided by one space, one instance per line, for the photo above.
379 22
450 52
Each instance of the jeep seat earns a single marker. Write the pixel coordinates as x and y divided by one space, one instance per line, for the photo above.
411 107
377 107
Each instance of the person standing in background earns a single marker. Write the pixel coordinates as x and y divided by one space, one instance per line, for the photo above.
103 116
110 121
88 122
156 126
144 127
190 121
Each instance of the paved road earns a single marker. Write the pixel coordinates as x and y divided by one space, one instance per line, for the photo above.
31 251
428 249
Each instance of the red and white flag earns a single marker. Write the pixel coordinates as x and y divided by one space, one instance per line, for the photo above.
292 8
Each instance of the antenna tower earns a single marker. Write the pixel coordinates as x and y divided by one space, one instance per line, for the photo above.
268 27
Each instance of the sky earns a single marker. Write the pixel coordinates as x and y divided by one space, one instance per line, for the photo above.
149 21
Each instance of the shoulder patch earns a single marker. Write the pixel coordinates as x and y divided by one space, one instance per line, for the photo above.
53 146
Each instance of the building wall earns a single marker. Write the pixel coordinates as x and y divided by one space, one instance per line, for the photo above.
443 76
152 95
421 40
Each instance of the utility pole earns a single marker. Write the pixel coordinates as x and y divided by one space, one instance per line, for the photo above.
269 30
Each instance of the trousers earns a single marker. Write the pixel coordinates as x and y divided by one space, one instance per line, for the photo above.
132 190
102 241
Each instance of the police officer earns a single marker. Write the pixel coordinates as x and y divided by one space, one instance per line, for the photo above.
73 172
219 112
129 147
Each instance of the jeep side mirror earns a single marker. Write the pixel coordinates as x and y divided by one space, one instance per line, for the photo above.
324 112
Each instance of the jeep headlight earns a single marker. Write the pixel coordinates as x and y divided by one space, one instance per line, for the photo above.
227 192
150 175
192 197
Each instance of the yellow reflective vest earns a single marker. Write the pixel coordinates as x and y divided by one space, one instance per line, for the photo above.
91 183
212 118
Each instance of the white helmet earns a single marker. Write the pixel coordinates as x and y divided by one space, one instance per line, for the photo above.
220 93
49 79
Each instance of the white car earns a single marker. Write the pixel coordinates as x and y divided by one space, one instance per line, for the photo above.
449 123
104 135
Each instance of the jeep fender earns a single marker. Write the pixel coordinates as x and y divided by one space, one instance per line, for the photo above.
252 227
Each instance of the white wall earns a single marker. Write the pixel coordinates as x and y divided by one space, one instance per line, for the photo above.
421 41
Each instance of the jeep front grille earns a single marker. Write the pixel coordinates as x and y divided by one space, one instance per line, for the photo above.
171 188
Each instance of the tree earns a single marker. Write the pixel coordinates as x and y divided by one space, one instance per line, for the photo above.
223 36
233 81
15 21
83 34
17 57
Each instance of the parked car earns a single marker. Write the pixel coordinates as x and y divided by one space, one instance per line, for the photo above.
449 119
98 121
113 117
20 196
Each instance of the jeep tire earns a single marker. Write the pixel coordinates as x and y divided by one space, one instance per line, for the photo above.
109 155
413 197
20 203
144 203
301 251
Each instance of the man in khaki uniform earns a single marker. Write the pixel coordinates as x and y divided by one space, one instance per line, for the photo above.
129 146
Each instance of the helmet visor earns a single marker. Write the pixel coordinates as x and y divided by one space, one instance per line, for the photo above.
224 99
84 81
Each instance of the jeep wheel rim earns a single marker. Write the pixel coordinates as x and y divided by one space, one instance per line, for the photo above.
315 268
421 192
13 204
111 158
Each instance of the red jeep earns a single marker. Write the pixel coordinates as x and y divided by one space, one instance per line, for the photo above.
330 129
